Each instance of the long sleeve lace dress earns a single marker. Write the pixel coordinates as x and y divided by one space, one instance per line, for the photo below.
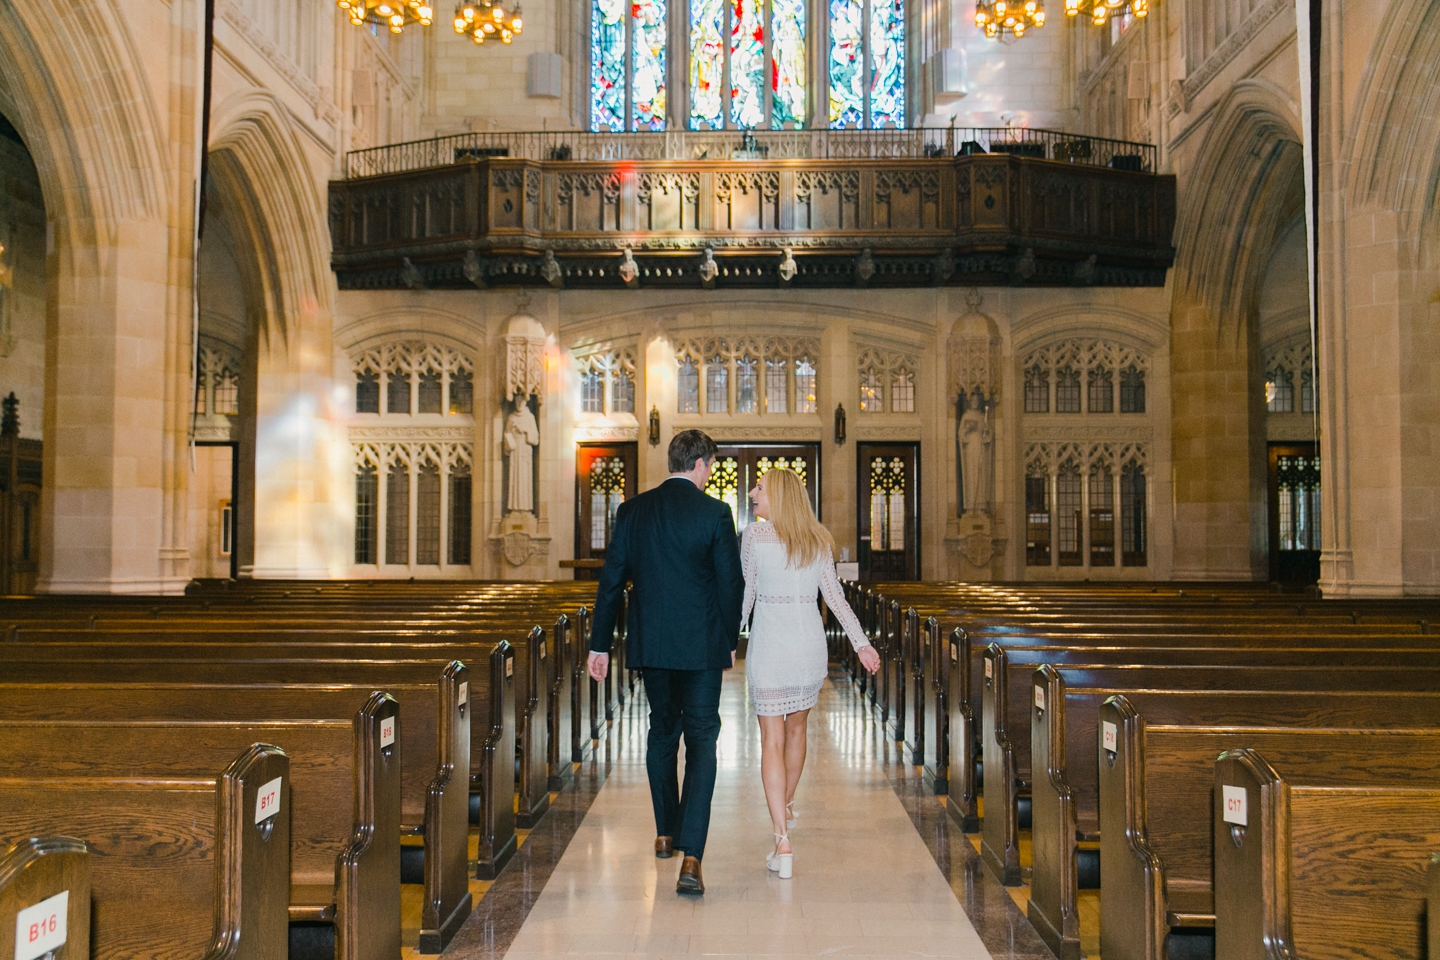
786 661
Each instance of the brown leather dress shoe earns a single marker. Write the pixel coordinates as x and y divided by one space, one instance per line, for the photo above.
690 879
664 848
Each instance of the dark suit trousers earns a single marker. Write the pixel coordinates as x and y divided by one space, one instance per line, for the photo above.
688 702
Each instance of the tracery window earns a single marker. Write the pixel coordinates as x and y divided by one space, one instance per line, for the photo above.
1101 397
1132 390
1279 391
746 64
1285 365
747 376
882 372
217 380
1037 390
607 382
1093 364
412 482
1067 390
1096 495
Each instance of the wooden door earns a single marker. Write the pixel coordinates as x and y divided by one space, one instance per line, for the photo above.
739 465
888 511
1294 513
604 479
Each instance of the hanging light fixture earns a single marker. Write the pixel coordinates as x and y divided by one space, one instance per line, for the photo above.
393 15
1101 12
484 20
999 17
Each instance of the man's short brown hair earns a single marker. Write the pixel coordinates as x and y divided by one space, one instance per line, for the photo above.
687 446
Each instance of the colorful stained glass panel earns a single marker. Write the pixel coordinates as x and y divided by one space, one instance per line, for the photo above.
787 63
707 64
747 63
607 65
887 52
647 79
847 63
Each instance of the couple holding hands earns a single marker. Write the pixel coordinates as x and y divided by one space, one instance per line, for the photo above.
692 587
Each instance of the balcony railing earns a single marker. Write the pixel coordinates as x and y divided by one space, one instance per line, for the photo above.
915 144
786 208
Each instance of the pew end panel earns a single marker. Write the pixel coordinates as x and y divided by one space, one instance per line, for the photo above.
1052 908
532 708
1000 828
962 794
899 670
367 871
936 684
582 746
36 871
915 645
1132 897
497 804
560 764
1318 869
1432 907
447 818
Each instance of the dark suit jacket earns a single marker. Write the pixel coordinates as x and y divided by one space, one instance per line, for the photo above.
678 548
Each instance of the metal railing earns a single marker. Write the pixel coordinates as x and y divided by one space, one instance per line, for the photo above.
913 143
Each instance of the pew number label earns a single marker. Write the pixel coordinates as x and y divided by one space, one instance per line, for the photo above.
41 928
1109 735
954 651
464 693
267 801
1234 798
509 666
1040 698
989 670
387 731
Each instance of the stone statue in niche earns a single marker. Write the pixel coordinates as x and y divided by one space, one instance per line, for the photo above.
522 436
977 446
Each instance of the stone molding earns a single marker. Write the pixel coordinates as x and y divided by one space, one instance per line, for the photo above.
604 432
1229 49
409 434
305 86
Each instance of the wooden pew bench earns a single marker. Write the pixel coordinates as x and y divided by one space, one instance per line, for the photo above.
1007 706
1323 865
344 800
1069 756
1157 885
45 899
180 867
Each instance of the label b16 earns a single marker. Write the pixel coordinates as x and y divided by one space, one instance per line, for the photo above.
41 928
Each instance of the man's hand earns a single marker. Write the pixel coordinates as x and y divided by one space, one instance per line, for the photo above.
599 665
869 658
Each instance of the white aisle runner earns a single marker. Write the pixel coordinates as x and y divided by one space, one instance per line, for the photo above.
864 883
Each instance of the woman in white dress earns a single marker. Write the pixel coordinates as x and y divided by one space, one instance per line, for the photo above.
788 561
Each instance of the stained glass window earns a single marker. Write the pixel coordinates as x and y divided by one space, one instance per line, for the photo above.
1280 391
1132 391
647 80
622 396
887 63
1132 516
847 63
724 484
887 504
367 393
427 515
1037 390
397 392
707 64
227 393
1067 390
805 401
1102 391
397 515
747 63
747 385
717 386
462 392
428 397
592 392
787 63
776 386
607 65
872 399
607 492
366 492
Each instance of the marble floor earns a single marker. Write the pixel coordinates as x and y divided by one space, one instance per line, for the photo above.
879 870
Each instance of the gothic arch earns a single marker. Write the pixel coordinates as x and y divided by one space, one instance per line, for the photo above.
1394 154
1251 161
265 178
92 129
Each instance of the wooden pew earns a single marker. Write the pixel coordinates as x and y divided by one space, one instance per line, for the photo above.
180 868
1432 907
1322 866
1006 713
344 778
492 716
45 899
1157 882
1066 768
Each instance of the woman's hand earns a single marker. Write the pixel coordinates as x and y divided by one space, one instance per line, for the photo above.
869 658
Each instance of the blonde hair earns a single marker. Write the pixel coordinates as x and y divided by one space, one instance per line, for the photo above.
805 539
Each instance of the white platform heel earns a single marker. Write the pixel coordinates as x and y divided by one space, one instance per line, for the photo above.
790 815
781 863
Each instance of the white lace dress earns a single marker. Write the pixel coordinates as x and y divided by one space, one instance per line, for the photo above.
787 660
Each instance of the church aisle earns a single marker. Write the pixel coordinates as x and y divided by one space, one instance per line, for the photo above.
864 885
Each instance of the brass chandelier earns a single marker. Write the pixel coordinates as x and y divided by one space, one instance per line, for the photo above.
1100 11
484 20
999 17
393 15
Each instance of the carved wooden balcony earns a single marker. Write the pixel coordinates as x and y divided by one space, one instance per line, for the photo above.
899 208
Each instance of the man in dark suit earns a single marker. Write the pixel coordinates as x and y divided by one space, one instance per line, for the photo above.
678 549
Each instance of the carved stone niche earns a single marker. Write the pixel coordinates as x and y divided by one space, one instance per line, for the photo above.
524 356
974 352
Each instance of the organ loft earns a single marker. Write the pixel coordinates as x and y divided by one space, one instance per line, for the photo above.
1102 336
